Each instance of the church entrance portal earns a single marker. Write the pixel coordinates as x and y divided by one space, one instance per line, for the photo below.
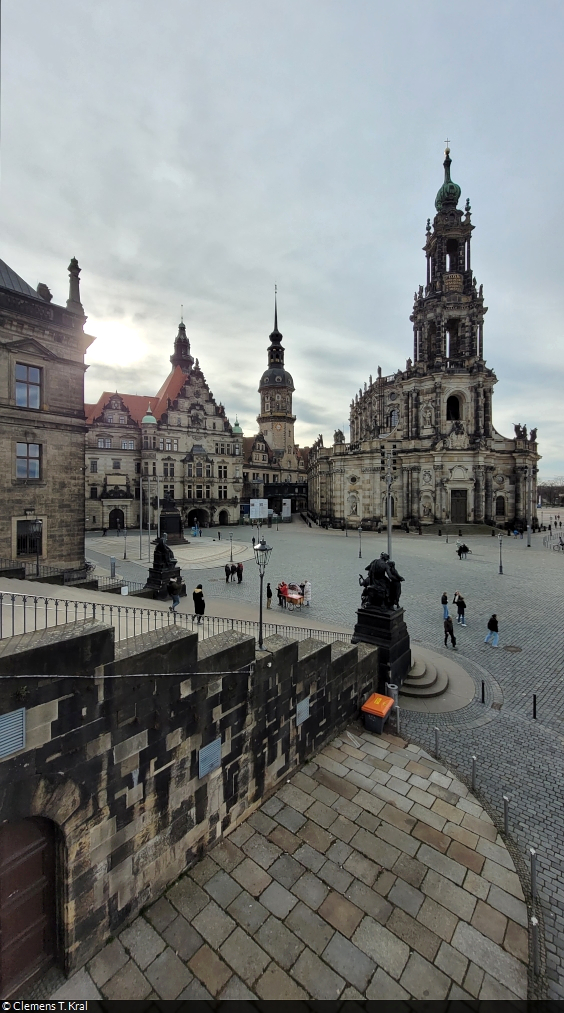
223 517
116 519
458 506
28 912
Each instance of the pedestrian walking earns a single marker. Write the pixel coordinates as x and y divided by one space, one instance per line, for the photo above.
268 596
449 632
227 572
253 541
458 600
493 631
219 536
444 603
199 603
173 589
233 571
307 593
104 532
239 572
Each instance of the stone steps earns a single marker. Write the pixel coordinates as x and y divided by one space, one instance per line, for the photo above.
425 679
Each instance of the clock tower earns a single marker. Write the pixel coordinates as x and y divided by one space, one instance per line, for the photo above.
276 421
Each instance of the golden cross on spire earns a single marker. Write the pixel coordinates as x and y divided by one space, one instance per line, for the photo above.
447 142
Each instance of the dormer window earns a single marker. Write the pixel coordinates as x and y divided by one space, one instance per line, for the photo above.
122 420
109 418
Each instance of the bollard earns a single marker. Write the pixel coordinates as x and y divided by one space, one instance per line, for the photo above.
535 706
398 726
473 773
112 566
506 815
436 743
483 691
533 855
440 532
536 948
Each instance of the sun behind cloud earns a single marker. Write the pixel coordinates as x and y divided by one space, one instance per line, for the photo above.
117 343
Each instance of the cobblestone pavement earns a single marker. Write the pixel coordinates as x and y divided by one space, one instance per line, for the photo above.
372 873
516 755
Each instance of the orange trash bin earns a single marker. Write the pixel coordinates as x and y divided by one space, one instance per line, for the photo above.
376 711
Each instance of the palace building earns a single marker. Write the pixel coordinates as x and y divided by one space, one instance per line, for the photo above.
433 419
42 426
177 447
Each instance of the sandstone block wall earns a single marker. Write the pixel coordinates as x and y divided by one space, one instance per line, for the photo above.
114 763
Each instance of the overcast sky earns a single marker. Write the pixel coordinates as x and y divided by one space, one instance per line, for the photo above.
196 152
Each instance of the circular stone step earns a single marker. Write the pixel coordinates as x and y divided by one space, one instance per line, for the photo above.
440 685
417 669
424 681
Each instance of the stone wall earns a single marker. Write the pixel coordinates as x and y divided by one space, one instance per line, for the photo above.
114 762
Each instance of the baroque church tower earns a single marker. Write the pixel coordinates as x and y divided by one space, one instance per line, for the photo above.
434 417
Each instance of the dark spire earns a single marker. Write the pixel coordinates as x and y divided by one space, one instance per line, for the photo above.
73 302
181 355
276 336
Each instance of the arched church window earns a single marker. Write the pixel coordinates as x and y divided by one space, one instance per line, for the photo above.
394 418
453 408
500 506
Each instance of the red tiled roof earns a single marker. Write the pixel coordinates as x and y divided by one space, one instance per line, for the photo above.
170 389
136 405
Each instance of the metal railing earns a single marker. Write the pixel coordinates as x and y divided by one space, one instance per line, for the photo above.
26 613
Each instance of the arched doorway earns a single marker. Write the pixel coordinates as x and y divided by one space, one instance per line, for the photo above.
223 517
199 515
28 901
116 519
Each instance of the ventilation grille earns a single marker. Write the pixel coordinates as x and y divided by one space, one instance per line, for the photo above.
12 732
209 758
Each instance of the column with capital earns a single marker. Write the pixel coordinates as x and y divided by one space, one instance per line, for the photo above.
479 503
437 468
415 495
489 511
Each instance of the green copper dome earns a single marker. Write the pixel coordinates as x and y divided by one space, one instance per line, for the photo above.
237 428
149 418
449 194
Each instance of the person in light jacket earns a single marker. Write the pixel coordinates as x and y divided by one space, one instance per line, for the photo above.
307 592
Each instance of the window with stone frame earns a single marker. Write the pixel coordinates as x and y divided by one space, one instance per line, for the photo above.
104 442
199 492
208 471
122 420
199 469
208 491
222 492
28 386
168 469
116 465
28 461
93 492
93 467
189 490
128 444
138 467
168 492
189 468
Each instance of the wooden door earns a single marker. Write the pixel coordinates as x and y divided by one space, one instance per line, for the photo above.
28 926
458 507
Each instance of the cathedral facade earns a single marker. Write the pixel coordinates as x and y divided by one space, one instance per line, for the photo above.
430 425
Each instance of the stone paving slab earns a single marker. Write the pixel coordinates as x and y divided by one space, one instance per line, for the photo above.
401 909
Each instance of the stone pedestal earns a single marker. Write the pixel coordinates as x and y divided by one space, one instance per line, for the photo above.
171 524
158 580
387 630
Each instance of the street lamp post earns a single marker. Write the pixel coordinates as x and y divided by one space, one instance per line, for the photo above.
230 546
262 556
389 501
125 538
360 541
36 528
500 560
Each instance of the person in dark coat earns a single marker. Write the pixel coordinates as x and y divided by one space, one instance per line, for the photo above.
199 603
233 571
493 631
173 589
458 600
268 596
444 603
227 572
449 632
239 572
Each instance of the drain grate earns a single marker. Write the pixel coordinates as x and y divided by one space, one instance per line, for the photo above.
512 649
